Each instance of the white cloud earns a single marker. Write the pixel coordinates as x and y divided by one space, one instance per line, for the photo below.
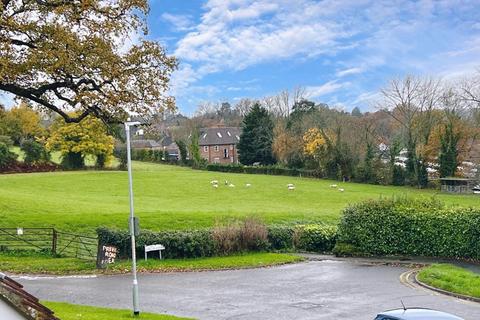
349 71
324 89
179 22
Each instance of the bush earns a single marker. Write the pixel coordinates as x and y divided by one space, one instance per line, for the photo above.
247 235
35 152
73 161
281 237
6 156
270 170
409 227
238 236
120 152
315 238
6 140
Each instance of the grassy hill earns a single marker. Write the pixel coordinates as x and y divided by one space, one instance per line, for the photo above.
169 197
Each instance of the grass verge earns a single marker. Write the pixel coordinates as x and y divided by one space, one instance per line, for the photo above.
44 264
451 278
67 311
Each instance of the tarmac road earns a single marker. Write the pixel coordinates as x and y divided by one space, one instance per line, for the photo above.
311 290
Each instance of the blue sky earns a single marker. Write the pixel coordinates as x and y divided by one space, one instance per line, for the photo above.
341 52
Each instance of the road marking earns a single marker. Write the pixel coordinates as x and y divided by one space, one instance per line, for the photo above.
33 278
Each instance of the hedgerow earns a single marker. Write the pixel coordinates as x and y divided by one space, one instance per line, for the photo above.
246 235
410 227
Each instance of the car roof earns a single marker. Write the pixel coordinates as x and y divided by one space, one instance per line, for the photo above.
418 314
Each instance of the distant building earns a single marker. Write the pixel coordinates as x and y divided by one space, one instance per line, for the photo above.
146 144
458 185
17 304
219 144
169 145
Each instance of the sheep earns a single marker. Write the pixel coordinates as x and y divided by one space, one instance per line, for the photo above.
231 185
290 185
215 185
248 185
291 188
214 182
226 182
341 189
333 186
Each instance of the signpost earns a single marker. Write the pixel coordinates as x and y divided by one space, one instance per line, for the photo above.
136 310
106 255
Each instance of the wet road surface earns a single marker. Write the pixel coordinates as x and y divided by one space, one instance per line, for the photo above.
310 290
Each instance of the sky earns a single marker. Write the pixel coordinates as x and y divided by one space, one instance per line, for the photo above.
342 52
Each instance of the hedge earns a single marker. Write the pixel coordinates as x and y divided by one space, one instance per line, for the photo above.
410 227
270 170
202 243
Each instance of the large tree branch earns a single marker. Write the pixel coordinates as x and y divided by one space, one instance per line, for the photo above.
24 93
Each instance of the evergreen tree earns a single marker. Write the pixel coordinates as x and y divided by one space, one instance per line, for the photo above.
356 112
256 139
448 152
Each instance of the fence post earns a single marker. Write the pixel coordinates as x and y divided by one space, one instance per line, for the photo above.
54 241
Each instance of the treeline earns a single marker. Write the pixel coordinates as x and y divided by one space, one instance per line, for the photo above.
421 128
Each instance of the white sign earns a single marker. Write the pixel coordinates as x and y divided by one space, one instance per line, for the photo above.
154 247
19 231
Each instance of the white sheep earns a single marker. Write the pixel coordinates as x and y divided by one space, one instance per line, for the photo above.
214 182
341 189
248 185
215 185
226 182
292 187
231 185
333 186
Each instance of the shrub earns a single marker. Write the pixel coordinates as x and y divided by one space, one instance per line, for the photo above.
280 237
120 152
35 152
6 156
409 227
6 140
270 170
315 238
73 161
247 235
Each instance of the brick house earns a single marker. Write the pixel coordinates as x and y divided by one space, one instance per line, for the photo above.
219 145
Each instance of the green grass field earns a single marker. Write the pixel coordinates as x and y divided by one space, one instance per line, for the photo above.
451 278
67 311
171 197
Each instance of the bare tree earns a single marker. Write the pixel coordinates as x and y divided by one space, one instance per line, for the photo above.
411 102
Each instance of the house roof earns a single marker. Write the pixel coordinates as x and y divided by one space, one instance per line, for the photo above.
145 144
12 293
220 135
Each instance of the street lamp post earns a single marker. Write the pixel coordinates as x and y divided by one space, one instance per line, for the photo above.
136 310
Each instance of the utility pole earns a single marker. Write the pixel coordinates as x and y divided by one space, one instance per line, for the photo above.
136 310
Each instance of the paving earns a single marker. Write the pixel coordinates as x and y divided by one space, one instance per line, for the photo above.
324 289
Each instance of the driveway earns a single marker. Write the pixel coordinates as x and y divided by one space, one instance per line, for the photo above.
310 290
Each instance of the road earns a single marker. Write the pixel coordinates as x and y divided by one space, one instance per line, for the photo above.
310 290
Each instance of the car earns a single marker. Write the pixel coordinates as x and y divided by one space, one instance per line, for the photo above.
415 314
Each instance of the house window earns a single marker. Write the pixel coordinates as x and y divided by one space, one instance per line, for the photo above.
225 153
216 148
205 148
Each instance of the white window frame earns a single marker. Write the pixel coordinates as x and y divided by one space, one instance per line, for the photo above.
226 154
216 148
205 148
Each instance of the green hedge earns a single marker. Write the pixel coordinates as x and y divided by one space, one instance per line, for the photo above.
270 170
201 243
409 227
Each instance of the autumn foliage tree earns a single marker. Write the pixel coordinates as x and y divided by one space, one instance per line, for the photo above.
74 55
75 141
